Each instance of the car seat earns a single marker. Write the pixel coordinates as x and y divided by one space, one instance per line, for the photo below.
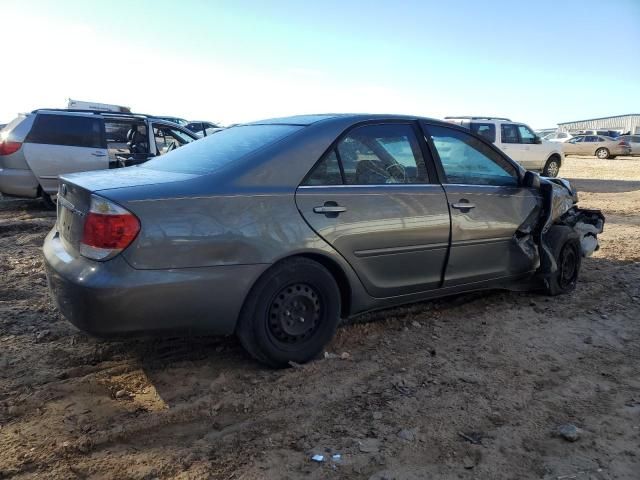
136 141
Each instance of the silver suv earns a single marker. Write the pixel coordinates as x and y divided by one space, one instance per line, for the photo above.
38 147
518 141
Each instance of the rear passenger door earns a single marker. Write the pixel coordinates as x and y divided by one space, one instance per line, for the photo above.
372 199
59 144
511 145
487 204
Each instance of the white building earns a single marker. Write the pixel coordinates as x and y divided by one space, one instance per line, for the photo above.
620 123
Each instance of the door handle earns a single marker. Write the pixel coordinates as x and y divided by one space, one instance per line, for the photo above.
463 205
99 154
329 209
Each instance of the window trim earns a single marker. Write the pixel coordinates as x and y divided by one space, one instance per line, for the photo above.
432 177
442 177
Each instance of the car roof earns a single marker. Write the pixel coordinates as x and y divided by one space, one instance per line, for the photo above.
481 118
306 120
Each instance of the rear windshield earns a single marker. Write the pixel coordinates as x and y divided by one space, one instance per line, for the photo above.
216 151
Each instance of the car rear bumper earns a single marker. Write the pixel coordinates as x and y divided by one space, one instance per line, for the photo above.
18 182
112 297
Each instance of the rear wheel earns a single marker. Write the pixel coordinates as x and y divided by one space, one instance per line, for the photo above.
602 153
552 167
290 314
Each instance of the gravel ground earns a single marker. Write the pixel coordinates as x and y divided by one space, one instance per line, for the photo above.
479 386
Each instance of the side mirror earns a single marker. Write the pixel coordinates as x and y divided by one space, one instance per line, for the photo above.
537 140
531 180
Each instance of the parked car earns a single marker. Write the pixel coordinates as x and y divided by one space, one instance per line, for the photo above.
518 141
177 120
37 147
605 133
598 145
543 132
275 230
560 137
633 141
202 128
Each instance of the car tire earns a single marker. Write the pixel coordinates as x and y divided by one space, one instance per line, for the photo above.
552 167
48 201
602 153
564 242
291 313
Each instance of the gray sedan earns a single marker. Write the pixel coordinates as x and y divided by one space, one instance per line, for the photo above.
275 230
598 145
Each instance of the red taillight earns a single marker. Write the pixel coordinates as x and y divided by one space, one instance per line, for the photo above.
7 147
108 229
624 144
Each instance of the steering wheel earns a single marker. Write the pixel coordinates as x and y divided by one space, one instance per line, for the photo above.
397 172
171 146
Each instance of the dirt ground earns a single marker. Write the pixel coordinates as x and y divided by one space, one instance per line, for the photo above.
472 387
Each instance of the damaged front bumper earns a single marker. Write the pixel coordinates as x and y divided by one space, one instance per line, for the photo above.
537 236
560 208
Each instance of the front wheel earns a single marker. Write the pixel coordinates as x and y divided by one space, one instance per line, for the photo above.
290 314
565 245
551 168
602 153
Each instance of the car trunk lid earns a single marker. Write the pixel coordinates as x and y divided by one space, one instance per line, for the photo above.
75 190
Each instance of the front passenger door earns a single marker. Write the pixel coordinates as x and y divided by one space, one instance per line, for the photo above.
487 206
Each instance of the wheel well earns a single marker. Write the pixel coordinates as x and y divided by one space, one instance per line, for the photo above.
339 276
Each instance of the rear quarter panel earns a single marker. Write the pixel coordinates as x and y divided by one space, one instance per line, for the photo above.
243 227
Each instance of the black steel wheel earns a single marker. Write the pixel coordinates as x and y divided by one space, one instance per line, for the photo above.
568 266
295 313
291 313
564 242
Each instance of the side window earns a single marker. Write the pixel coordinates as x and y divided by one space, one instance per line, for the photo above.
591 139
509 133
467 160
382 154
526 135
75 131
168 138
116 132
486 130
326 172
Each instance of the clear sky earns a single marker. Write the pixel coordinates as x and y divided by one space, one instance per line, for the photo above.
540 62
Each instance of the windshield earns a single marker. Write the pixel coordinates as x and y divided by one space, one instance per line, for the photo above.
217 151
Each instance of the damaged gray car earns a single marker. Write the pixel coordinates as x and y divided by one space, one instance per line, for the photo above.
276 230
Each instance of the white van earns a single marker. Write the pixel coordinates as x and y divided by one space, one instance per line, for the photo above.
36 148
